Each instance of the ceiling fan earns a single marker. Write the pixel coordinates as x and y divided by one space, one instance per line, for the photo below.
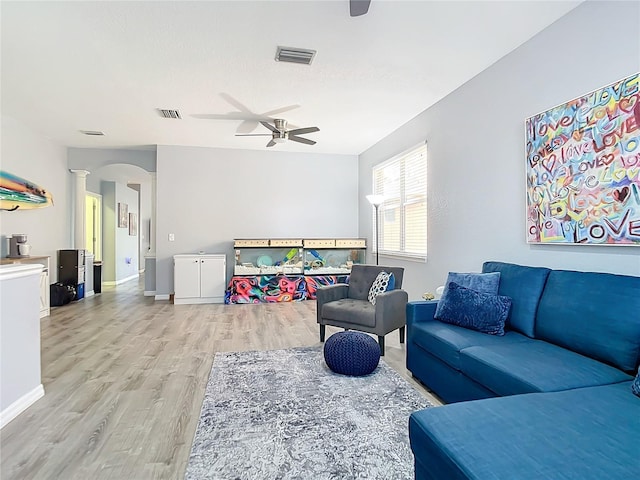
249 119
358 7
280 134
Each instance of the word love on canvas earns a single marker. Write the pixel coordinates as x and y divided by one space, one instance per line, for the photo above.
583 169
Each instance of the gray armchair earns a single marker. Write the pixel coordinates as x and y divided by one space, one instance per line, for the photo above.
347 306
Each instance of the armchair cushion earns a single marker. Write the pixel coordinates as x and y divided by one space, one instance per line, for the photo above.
383 283
362 276
348 310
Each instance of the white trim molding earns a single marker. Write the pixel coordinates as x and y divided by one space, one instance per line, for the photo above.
122 280
20 405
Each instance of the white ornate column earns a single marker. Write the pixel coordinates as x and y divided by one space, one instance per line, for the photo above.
150 257
79 214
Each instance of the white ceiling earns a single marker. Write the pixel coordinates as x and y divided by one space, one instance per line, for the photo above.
70 66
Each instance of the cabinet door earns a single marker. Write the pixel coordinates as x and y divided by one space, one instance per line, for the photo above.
186 279
213 273
44 293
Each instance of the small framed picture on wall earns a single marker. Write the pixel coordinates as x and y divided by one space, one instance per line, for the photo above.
133 224
123 215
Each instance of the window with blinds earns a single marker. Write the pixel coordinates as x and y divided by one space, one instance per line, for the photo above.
402 181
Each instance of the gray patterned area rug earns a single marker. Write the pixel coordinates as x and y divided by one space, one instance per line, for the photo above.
283 414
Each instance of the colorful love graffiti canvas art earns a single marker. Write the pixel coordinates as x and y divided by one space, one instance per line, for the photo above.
583 169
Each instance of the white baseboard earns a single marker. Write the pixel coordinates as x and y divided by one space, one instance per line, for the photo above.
89 294
195 301
20 405
149 293
165 296
122 280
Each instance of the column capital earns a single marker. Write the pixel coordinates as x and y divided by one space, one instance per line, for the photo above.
80 173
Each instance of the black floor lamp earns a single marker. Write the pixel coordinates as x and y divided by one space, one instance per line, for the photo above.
376 201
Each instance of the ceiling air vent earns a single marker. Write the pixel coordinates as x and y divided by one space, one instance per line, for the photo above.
169 113
295 55
93 133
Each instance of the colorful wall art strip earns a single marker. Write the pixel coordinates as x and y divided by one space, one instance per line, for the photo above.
315 281
19 194
278 288
583 169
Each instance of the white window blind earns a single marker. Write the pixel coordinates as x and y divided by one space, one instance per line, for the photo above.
403 214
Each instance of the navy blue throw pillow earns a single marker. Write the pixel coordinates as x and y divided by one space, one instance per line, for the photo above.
635 386
479 311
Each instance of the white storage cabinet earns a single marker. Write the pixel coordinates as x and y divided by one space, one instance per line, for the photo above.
199 278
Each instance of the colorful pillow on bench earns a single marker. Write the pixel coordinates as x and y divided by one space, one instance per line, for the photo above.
467 308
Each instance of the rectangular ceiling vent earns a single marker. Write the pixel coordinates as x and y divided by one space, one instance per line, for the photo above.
166 113
94 133
295 55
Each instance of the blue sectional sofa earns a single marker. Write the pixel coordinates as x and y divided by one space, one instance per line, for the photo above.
551 399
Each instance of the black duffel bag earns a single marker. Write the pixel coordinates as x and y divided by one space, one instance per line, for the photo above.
61 294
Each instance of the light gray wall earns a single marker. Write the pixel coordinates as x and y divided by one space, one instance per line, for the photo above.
476 157
33 157
93 159
144 209
207 197
119 249
109 225
123 166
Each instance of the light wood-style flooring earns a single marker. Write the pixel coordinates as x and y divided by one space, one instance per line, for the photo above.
124 379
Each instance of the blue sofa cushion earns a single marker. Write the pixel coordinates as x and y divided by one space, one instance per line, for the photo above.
445 341
480 282
595 314
591 433
468 308
534 366
635 386
524 286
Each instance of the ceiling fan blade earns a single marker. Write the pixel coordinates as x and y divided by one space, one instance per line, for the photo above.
272 113
270 127
358 7
247 126
301 140
220 116
235 103
300 131
271 143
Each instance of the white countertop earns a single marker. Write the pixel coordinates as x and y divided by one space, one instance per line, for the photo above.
19 270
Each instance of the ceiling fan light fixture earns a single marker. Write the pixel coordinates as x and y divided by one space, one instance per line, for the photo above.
280 139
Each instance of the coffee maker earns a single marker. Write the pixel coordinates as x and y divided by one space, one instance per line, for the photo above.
18 247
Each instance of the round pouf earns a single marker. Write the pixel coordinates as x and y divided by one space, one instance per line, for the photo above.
351 353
